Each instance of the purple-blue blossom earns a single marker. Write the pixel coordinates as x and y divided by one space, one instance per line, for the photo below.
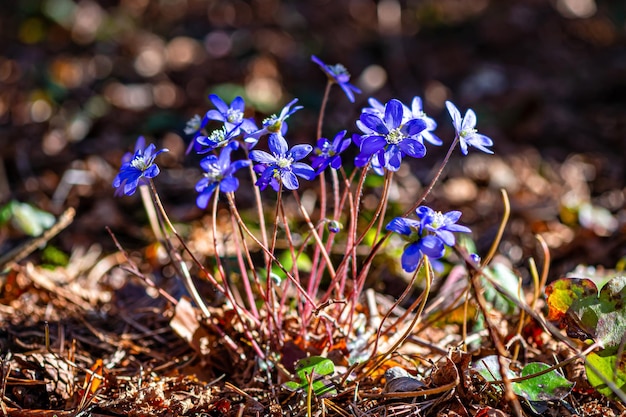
389 138
328 153
137 168
218 171
466 130
216 139
276 123
427 236
231 116
281 164
338 74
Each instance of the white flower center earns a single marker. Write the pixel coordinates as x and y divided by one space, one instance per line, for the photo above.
438 220
394 136
218 136
234 116
214 173
140 163
467 132
193 125
273 123
283 162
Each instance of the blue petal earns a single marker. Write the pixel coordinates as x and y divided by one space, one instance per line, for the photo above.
229 184
432 247
202 184
372 144
203 198
303 170
411 257
399 225
393 158
413 147
151 172
455 115
374 123
300 151
278 144
238 104
413 127
215 115
346 89
262 157
219 103
289 179
394 110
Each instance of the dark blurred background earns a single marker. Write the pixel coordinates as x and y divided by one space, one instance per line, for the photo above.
80 80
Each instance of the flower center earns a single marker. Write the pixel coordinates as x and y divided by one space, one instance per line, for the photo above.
395 136
193 125
283 162
467 132
273 124
218 136
338 69
140 163
214 173
438 220
234 116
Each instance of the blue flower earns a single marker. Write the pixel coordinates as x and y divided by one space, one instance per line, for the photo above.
327 153
416 112
232 115
281 165
195 126
429 235
273 124
388 138
218 172
137 167
217 139
338 74
466 130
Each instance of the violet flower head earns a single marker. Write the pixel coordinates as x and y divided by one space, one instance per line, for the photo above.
137 168
282 164
232 115
427 236
389 138
218 171
276 123
328 153
338 74
219 138
466 130
417 112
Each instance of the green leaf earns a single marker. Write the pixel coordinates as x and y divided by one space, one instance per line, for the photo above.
550 386
606 362
489 368
315 368
28 219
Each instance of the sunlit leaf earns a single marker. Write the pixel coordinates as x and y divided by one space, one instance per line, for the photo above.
550 386
317 369
610 367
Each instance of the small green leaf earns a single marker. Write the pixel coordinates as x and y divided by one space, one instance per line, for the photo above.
489 368
550 386
315 368
28 219
606 362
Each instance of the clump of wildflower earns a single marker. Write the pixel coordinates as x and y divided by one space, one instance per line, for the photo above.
281 164
137 168
231 116
328 153
218 171
427 236
466 130
388 137
338 74
275 124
